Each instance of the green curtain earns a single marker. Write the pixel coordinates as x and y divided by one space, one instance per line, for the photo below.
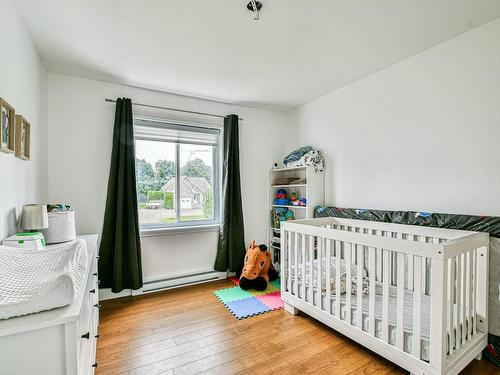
120 251
231 246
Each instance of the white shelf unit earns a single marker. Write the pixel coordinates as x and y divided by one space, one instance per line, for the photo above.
306 183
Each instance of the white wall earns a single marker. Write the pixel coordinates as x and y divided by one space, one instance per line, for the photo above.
80 128
423 134
23 84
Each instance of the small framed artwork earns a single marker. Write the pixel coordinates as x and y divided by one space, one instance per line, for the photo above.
7 137
23 130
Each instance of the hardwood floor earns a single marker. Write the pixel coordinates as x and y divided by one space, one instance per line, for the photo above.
188 331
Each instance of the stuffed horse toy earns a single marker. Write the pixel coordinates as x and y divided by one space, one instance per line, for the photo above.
258 268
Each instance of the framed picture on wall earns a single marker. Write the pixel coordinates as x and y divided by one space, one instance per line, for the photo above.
7 130
23 133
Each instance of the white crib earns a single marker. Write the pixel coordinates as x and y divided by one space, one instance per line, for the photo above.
425 299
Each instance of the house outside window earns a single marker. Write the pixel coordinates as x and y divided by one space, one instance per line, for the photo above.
177 173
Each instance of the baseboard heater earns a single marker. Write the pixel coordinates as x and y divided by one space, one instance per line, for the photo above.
180 281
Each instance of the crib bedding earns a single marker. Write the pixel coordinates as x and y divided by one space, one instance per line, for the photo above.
407 313
407 319
38 280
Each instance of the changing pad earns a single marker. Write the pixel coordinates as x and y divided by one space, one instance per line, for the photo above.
38 280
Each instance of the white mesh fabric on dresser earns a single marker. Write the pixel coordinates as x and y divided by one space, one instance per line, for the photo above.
37 280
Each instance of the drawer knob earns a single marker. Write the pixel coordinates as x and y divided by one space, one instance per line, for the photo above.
92 291
98 305
96 336
94 274
86 336
94 365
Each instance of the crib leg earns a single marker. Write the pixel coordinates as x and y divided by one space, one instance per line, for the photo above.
479 356
289 308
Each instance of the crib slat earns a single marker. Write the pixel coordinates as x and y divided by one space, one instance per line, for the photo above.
371 299
417 299
458 294
438 337
319 284
474 290
482 289
379 259
304 262
451 301
359 284
400 301
468 298
338 256
410 274
385 296
289 261
393 261
296 263
311 269
463 298
328 263
348 285
424 267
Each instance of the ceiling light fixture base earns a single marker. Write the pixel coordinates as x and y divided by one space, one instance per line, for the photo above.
255 7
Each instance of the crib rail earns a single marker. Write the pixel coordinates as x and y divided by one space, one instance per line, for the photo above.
401 284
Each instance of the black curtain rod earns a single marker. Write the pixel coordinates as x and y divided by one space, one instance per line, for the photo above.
172 109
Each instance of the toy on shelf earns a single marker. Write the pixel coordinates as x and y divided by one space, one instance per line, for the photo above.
279 214
297 201
281 198
276 241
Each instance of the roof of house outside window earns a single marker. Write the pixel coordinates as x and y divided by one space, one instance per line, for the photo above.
189 186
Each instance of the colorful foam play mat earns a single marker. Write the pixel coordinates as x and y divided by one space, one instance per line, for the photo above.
245 303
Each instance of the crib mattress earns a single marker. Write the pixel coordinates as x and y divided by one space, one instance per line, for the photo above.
407 314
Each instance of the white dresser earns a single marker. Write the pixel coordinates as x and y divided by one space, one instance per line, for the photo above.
55 342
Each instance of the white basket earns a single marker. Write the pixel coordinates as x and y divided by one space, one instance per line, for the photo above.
61 227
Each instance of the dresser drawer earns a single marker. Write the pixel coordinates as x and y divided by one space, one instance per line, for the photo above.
86 326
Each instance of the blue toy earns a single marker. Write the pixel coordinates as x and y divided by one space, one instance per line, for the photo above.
281 198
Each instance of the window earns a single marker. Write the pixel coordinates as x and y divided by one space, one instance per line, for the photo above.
177 171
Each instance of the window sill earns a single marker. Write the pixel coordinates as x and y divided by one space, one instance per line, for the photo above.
177 230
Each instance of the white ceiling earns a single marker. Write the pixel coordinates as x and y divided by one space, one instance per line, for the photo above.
298 51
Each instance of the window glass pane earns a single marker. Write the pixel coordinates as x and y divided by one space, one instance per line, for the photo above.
196 182
155 172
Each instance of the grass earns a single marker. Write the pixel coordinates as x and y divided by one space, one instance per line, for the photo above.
184 218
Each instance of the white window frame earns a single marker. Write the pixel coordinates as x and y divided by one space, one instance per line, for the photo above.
152 228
